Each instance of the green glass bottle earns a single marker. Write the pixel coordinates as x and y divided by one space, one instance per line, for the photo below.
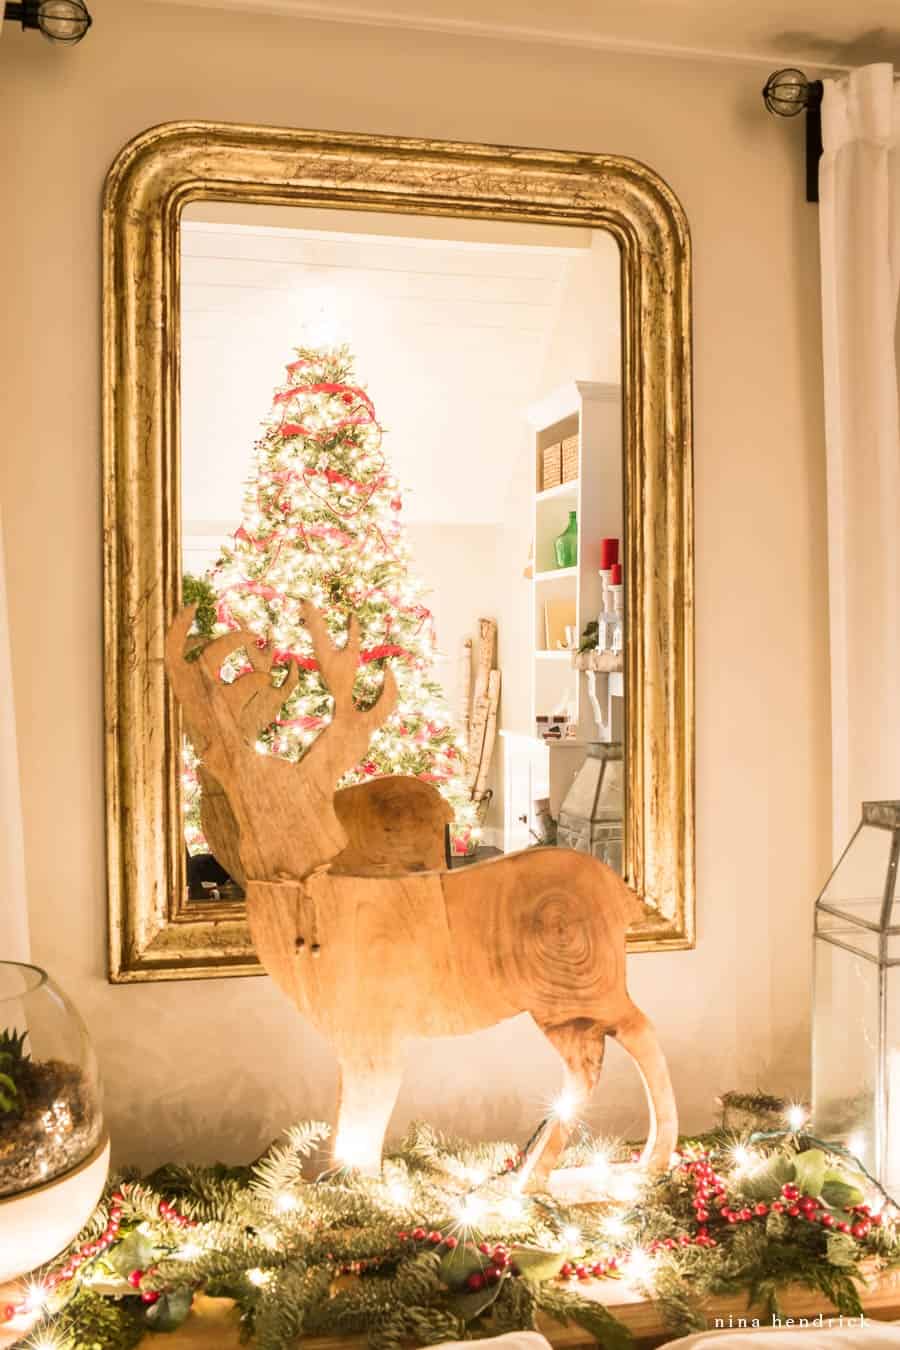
566 546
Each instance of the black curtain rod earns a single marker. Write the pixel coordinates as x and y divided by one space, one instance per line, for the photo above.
786 94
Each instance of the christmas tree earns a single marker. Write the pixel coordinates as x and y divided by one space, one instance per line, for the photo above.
321 521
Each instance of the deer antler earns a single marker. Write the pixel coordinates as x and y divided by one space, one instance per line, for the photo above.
283 812
345 740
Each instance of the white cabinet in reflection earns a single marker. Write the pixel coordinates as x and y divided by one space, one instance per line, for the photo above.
534 773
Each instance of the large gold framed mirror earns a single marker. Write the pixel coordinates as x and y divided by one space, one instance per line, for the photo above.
515 326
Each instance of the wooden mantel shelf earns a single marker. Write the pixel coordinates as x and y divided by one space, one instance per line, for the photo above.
213 1322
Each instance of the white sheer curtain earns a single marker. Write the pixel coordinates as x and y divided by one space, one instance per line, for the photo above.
13 903
859 188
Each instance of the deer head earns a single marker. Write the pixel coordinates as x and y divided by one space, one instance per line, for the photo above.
283 811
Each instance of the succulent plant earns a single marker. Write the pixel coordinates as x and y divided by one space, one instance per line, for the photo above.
12 1057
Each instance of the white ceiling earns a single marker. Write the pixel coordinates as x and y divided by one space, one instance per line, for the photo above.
452 337
824 32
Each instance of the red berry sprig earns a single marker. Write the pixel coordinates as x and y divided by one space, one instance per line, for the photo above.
88 1251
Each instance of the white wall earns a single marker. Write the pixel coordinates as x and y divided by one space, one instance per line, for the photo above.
214 1068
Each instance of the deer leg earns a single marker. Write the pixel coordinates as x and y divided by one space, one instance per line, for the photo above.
368 1090
580 1045
636 1034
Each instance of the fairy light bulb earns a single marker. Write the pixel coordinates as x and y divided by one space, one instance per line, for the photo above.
625 1187
565 1107
741 1156
400 1193
599 1164
188 1251
36 1295
640 1265
796 1117
856 1143
512 1207
471 1209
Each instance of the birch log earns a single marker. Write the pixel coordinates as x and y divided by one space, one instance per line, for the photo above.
465 703
487 630
490 734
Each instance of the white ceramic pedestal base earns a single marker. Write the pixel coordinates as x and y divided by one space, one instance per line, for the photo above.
36 1226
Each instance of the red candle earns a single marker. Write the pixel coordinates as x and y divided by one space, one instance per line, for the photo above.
609 553
615 578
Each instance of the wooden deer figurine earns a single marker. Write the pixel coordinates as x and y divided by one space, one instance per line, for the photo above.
378 959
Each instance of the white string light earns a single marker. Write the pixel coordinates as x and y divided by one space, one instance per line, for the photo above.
565 1106
511 1207
796 1116
189 1251
400 1193
471 1209
640 1266
36 1295
856 1143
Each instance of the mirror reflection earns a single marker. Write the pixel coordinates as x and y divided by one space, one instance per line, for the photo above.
417 421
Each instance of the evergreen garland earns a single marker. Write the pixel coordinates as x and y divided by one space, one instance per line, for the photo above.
444 1245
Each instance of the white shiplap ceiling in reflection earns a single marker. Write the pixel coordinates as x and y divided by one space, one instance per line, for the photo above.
452 335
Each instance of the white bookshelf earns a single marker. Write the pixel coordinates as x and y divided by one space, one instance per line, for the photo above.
592 412
534 767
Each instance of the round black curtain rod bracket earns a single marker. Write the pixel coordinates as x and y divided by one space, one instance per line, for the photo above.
65 21
787 93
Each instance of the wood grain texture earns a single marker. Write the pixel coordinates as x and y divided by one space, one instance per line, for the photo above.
379 963
393 824
152 934
378 954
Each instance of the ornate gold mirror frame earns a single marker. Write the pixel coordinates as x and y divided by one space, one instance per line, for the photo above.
154 933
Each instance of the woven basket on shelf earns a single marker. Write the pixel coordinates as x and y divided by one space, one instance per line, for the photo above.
552 467
569 459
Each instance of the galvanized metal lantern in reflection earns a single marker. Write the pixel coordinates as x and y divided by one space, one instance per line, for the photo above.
856 1012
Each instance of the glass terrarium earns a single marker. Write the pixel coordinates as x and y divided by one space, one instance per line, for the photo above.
50 1115
856 1006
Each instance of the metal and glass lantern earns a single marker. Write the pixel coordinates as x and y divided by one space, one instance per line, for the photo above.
856 1005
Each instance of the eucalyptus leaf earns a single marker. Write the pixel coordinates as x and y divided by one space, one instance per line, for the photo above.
170 1309
457 1265
468 1306
134 1252
536 1263
809 1170
765 1183
841 1195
